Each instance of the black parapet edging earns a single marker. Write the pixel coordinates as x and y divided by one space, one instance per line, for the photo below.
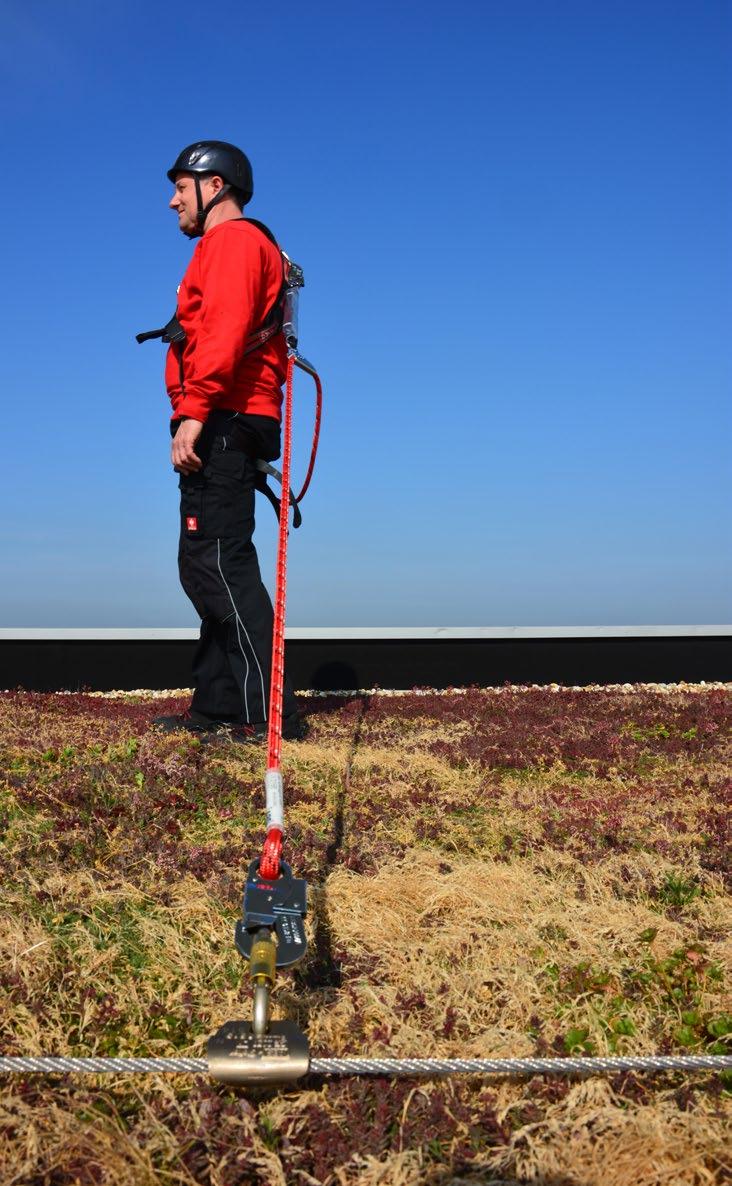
489 662
51 665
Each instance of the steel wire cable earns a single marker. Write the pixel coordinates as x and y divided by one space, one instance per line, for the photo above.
102 1066
517 1066
385 1066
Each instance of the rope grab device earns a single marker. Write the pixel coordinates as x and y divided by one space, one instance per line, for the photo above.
271 931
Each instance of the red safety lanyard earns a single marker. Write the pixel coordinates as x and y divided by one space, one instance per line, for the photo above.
269 864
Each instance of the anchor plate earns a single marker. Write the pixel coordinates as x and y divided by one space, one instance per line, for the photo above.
237 1055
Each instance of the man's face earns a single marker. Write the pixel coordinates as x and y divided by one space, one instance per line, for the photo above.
184 200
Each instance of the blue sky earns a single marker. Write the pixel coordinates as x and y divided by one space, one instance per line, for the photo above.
515 223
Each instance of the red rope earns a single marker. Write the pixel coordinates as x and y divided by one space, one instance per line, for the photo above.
316 430
274 733
269 862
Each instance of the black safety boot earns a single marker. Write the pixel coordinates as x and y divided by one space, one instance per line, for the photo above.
192 722
294 728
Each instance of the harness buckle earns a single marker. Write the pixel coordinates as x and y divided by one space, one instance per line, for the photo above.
172 332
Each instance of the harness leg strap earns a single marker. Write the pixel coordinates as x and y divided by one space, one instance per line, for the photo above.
261 484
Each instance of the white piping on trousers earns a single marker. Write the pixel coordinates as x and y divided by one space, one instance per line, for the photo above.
256 660
238 636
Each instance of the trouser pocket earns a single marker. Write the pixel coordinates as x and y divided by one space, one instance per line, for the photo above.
192 506
218 501
228 496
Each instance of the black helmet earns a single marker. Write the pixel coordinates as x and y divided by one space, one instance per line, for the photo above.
216 156
207 157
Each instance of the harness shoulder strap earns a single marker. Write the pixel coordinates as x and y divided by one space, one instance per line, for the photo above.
261 227
272 323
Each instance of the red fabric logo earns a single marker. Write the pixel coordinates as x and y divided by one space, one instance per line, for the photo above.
191 523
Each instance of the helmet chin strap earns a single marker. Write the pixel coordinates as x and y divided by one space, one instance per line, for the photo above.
203 211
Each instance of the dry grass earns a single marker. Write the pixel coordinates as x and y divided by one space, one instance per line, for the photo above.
490 875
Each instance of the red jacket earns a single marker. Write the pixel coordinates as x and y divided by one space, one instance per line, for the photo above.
231 283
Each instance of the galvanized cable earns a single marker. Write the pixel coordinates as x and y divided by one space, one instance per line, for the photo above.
102 1066
386 1066
518 1066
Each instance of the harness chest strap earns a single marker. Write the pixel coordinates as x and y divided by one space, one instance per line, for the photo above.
174 334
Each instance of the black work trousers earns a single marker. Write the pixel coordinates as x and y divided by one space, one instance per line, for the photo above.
219 571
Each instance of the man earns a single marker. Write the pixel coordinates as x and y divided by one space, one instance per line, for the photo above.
224 373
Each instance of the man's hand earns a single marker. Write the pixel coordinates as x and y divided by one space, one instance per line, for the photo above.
183 453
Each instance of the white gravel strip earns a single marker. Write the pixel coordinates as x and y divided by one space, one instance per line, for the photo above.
623 689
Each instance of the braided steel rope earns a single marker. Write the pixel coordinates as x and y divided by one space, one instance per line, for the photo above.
103 1066
386 1066
517 1066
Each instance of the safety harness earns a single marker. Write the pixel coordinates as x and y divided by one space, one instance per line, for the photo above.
173 334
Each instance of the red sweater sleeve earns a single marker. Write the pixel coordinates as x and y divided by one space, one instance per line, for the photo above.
232 270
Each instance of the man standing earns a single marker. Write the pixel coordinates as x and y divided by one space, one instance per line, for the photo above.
224 373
